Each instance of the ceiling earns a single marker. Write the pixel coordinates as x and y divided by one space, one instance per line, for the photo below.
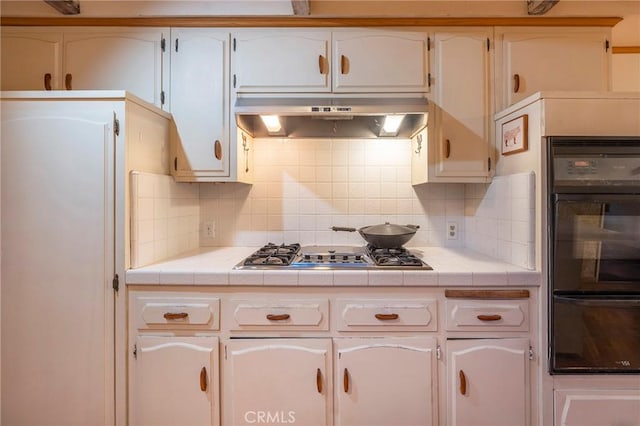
340 8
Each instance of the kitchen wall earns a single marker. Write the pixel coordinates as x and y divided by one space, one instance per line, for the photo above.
625 67
164 217
499 218
303 187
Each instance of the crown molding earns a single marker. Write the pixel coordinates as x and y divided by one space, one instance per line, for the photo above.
299 21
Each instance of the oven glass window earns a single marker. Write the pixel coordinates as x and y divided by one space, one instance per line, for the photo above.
596 335
597 245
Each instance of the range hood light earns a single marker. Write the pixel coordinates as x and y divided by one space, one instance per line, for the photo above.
272 122
391 124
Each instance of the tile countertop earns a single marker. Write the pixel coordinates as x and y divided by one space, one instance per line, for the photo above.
451 267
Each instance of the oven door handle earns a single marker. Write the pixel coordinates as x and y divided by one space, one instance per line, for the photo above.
595 198
595 300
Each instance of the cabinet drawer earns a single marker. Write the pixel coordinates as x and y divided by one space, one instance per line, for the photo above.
496 315
293 314
175 312
388 314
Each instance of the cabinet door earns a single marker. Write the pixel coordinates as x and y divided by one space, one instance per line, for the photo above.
281 61
372 372
29 58
200 103
57 263
462 92
488 382
532 60
380 61
278 381
174 381
594 407
115 59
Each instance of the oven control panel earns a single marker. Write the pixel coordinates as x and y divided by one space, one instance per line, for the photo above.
588 169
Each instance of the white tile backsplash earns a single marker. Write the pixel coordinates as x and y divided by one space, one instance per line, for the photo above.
499 218
165 217
303 187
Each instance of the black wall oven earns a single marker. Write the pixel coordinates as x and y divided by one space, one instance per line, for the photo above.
594 255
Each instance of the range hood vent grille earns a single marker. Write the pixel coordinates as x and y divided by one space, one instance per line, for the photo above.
331 118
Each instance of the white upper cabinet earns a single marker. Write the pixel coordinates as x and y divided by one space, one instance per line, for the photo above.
314 61
130 59
380 61
463 93
456 145
200 103
31 59
535 59
281 60
116 59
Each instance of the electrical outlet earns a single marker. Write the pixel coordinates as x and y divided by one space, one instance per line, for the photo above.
452 231
210 229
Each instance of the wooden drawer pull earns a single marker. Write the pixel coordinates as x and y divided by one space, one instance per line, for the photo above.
319 380
67 81
386 317
447 148
463 383
516 83
203 379
278 317
47 81
494 317
217 149
175 315
345 380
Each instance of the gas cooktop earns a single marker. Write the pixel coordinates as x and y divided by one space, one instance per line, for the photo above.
295 256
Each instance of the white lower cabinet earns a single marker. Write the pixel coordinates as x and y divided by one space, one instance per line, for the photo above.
277 381
488 382
175 381
584 407
385 381
320 357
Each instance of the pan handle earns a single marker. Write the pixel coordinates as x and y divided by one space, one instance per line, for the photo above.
413 226
343 228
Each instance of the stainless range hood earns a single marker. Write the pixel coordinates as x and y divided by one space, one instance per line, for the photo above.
331 117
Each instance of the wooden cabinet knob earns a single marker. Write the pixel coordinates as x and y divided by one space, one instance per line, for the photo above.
217 149
47 81
345 380
67 82
463 383
321 64
319 380
344 65
447 148
516 83
278 317
203 379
